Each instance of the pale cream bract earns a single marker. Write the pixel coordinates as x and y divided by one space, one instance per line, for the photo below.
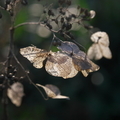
100 47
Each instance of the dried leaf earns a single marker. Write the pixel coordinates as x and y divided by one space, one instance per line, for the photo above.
79 58
60 65
52 91
34 55
15 93
100 48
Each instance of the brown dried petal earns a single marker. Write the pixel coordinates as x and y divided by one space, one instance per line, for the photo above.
60 65
15 93
34 55
52 91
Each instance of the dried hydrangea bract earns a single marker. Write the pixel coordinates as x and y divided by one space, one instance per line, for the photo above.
15 93
60 65
52 91
34 55
65 63
100 47
79 58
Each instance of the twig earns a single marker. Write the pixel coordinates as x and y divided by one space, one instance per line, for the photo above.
6 81
34 23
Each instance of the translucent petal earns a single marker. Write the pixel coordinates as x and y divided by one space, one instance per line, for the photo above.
52 91
68 47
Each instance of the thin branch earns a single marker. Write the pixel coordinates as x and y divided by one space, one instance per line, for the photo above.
5 114
34 23
26 23
52 41
6 81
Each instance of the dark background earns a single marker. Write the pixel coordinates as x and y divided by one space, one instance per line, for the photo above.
96 97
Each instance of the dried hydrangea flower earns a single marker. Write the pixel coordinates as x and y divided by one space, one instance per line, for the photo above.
100 47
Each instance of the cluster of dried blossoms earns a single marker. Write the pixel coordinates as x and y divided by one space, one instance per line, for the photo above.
67 61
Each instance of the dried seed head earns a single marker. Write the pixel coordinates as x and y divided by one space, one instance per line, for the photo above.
21 78
56 42
73 15
87 13
50 13
82 10
2 76
61 11
10 66
14 78
92 14
15 71
62 20
68 26
10 75
68 18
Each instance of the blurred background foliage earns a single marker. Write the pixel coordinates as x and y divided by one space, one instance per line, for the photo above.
96 97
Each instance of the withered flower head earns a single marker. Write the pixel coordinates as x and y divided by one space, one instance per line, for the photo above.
100 47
